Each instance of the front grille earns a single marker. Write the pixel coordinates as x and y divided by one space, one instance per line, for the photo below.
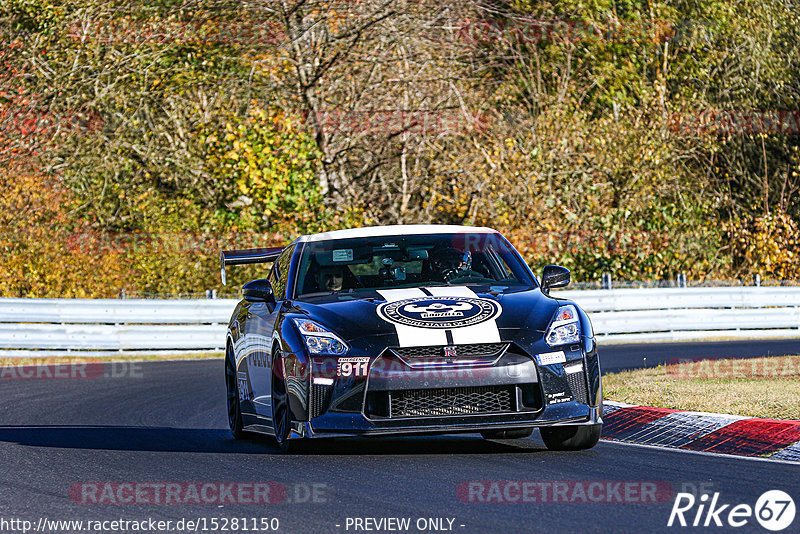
577 383
462 351
320 398
451 401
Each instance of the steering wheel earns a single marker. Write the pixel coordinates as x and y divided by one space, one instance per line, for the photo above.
455 275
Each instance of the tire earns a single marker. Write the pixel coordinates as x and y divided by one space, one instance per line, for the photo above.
234 405
516 433
281 414
572 437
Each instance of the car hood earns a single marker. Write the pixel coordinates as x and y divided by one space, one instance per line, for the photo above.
415 315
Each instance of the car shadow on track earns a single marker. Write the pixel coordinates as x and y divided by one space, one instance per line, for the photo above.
129 438
166 439
417 445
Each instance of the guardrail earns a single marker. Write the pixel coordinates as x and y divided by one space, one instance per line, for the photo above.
74 327
66 327
620 315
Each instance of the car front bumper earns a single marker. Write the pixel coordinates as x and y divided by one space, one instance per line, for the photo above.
563 393
302 430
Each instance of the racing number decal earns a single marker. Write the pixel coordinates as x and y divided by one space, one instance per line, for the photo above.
245 393
357 367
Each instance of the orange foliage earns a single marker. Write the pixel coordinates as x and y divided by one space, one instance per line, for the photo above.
768 245
44 255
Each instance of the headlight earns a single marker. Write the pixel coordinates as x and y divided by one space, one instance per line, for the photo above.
564 328
319 339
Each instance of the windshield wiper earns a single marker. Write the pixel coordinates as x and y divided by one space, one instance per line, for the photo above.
317 294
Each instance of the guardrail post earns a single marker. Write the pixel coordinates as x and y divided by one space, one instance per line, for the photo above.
681 280
606 280
757 280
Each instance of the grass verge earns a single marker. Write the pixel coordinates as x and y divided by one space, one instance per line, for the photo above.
757 387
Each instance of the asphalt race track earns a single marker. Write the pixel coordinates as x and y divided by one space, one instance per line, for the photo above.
637 355
165 422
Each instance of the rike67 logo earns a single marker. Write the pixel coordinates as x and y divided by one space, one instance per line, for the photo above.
774 510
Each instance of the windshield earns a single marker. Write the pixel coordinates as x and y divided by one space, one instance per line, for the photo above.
371 263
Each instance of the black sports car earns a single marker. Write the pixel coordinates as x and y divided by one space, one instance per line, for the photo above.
409 330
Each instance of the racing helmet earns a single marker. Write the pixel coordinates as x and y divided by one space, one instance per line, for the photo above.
449 261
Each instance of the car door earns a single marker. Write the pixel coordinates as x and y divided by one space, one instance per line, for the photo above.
261 320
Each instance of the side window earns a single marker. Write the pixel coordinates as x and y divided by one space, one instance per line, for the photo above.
279 275
273 277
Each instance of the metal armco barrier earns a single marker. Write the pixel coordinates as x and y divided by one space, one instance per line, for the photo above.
620 315
67 327
82 327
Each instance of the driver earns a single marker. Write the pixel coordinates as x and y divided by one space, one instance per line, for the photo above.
330 278
452 264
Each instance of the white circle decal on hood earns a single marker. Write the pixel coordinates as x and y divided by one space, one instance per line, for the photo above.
439 312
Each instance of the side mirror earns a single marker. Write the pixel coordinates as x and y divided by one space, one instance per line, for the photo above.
554 276
259 290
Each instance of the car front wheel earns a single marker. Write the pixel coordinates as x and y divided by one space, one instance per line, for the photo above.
281 415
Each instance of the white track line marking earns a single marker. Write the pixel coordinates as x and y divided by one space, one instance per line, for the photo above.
704 453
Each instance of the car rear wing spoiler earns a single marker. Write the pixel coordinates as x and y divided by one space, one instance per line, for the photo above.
247 257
